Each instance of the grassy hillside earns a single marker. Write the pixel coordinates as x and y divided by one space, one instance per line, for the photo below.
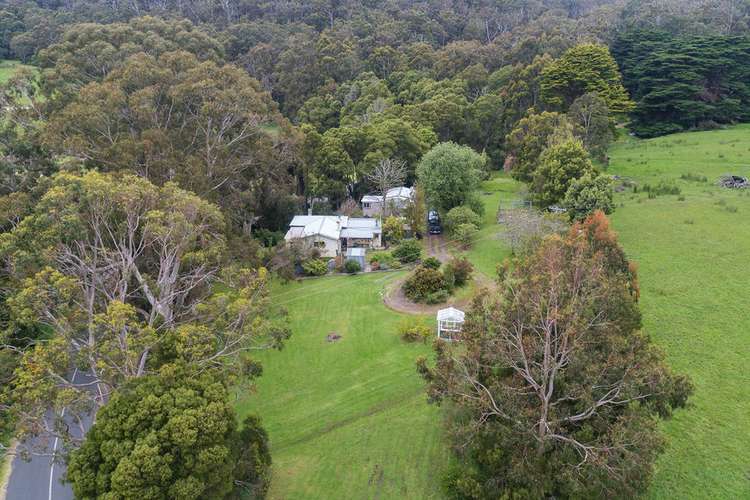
490 249
693 256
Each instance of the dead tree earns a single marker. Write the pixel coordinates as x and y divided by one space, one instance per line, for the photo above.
387 174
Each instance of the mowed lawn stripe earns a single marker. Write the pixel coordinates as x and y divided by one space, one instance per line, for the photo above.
347 419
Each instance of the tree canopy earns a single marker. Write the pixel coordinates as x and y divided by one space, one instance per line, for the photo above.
583 69
118 273
685 81
559 166
555 391
170 435
449 174
209 128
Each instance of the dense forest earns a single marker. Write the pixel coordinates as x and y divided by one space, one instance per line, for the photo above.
335 86
153 149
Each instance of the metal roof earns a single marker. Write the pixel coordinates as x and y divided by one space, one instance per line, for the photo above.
397 193
400 192
332 226
358 233
362 222
328 226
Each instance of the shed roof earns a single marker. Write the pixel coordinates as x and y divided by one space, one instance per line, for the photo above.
450 314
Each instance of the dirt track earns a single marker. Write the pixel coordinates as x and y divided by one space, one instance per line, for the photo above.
437 246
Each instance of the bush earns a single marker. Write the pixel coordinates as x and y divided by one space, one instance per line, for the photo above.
383 260
474 202
588 194
437 297
663 188
465 234
268 238
432 263
393 229
461 215
408 251
422 283
460 270
352 267
315 267
412 330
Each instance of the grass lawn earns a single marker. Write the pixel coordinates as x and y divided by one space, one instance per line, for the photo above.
490 249
693 257
347 419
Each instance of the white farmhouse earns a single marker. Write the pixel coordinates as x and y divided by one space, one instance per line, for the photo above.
333 234
396 200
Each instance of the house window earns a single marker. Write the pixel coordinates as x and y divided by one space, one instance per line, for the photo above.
319 244
365 205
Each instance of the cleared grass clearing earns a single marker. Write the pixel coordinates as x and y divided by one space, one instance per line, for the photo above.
693 257
347 419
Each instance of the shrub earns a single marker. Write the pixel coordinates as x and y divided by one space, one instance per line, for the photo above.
474 202
408 251
315 267
460 269
423 282
661 189
268 238
352 267
432 263
393 229
437 297
465 234
588 194
461 215
382 260
412 330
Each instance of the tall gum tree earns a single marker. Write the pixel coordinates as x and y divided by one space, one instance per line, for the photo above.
119 274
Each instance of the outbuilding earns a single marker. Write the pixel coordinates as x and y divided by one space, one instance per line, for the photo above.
450 322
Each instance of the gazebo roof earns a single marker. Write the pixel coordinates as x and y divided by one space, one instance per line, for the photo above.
450 314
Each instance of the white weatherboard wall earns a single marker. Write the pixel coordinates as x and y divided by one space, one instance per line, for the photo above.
329 248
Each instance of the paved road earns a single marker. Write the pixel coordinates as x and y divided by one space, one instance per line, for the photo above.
40 479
